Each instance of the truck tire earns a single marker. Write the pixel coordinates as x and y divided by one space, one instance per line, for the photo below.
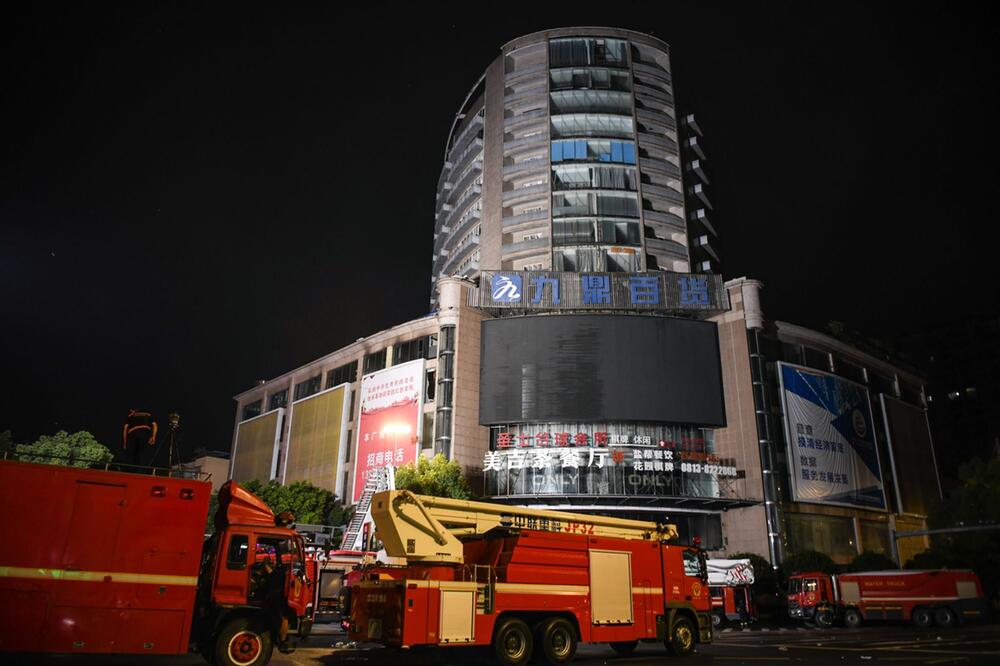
512 643
555 641
624 648
922 617
717 620
681 640
853 618
824 619
243 641
945 617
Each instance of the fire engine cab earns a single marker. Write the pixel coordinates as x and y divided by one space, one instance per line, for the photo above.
528 582
116 563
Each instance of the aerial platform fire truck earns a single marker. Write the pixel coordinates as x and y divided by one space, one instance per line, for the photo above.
527 582
943 597
100 561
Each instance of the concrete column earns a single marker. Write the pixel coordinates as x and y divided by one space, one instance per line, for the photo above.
753 312
450 298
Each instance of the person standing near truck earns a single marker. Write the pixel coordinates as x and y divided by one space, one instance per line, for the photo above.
267 588
138 437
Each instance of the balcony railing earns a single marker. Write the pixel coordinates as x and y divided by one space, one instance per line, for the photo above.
531 216
530 192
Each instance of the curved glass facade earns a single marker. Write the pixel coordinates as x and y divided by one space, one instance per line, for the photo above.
591 112
565 155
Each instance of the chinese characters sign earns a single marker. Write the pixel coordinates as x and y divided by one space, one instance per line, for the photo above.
609 459
389 424
553 290
639 460
832 452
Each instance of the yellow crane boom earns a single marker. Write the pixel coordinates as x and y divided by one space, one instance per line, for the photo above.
428 529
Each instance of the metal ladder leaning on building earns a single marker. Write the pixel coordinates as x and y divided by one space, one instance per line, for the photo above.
381 479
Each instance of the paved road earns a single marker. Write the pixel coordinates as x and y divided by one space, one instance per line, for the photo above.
897 645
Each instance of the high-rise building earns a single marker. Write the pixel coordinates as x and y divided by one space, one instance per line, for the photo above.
568 154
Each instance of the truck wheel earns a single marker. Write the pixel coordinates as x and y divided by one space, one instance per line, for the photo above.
243 641
680 642
624 648
717 620
512 642
944 617
557 639
852 618
922 617
824 619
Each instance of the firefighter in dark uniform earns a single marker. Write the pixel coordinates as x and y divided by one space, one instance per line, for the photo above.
138 437
267 587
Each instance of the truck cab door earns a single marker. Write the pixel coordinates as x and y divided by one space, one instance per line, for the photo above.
300 588
810 592
695 580
232 569
285 555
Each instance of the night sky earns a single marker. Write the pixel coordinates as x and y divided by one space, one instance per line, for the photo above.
194 198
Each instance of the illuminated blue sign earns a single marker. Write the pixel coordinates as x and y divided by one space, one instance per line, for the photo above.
557 290
506 288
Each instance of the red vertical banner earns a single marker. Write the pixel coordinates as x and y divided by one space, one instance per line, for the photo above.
390 420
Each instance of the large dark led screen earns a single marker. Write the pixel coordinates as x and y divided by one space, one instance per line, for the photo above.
600 368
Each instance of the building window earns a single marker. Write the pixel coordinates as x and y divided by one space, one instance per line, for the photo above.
579 204
816 359
596 78
374 362
429 385
354 395
592 177
345 374
621 152
350 438
833 535
411 350
279 399
590 102
583 51
307 388
442 421
875 538
251 410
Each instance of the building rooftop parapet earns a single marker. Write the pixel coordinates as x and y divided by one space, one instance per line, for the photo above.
361 344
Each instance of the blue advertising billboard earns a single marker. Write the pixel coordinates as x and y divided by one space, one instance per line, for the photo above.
832 451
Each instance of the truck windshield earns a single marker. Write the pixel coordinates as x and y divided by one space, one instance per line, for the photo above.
794 586
692 567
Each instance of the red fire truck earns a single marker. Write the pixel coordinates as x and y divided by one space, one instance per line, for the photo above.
331 576
943 597
98 561
729 585
528 582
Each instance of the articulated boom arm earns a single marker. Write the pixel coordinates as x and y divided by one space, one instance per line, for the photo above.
427 529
